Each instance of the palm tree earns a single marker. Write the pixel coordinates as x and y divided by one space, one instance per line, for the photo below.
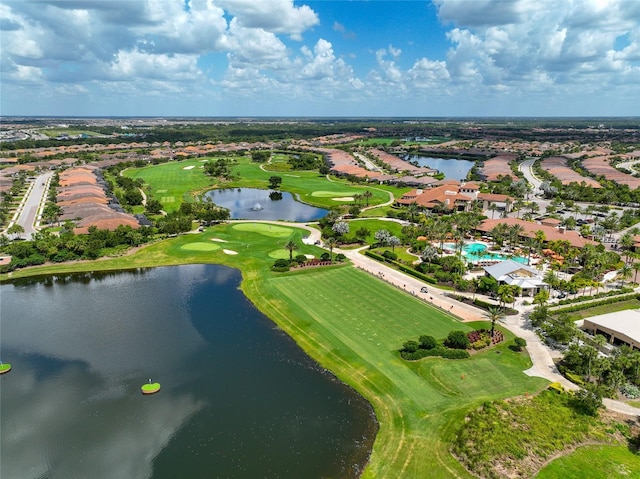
635 267
332 242
514 235
493 314
625 273
493 208
412 210
291 246
367 194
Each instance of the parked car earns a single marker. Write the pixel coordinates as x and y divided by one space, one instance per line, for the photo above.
561 296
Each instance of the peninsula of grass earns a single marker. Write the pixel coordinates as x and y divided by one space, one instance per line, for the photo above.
5 368
353 324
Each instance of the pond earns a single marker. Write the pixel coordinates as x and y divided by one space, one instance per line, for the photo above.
452 168
238 399
256 204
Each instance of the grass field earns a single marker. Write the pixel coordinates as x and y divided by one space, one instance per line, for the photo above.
353 324
594 462
174 182
170 183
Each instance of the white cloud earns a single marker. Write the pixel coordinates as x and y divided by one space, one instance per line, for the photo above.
134 65
276 16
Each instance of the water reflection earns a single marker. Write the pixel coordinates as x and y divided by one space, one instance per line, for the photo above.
274 205
238 399
453 169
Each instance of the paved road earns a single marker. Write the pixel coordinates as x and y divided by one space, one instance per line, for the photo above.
27 214
526 167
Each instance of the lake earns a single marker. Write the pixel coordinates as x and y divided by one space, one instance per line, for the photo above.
256 204
239 399
452 168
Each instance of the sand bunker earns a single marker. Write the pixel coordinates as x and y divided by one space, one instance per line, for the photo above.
229 251
309 256
189 167
219 240
344 198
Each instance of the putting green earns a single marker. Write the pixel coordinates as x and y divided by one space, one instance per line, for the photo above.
150 388
264 229
200 246
333 194
5 368
279 254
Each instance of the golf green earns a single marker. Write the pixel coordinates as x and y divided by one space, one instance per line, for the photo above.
264 229
200 246
279 254
334 194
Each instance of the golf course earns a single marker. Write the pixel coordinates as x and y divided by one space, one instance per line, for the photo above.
350 322
353 324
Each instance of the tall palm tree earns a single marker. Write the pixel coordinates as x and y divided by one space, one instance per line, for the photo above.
332 242
367 194
625 273
515 232
291 246
493 314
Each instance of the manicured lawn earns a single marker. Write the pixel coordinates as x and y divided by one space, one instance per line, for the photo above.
374 225
170 183
594 462
353 324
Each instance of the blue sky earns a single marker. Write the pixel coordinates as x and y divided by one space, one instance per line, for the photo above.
320 58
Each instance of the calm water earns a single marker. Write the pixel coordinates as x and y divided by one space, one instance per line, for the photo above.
452 168
255 204
239 399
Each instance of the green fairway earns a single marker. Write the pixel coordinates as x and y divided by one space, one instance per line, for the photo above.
170 183
594 462
354 324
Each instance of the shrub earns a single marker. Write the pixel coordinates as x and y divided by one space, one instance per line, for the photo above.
325 257
557 387
410 346
280 265
630 391
520 343
427 342
390 255
301 258
340 257
457 340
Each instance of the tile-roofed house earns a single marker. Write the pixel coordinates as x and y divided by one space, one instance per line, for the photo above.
446 197
529 230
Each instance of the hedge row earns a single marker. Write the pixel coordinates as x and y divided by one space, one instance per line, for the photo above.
604 294
582 306
402 267
439 351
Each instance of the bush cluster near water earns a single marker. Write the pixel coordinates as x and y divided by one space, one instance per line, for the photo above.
429 346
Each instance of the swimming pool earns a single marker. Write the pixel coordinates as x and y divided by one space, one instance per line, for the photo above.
478 251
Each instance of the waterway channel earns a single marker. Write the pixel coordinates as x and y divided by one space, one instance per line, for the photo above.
239 399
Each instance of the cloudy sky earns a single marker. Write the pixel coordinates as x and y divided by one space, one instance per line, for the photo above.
320 58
